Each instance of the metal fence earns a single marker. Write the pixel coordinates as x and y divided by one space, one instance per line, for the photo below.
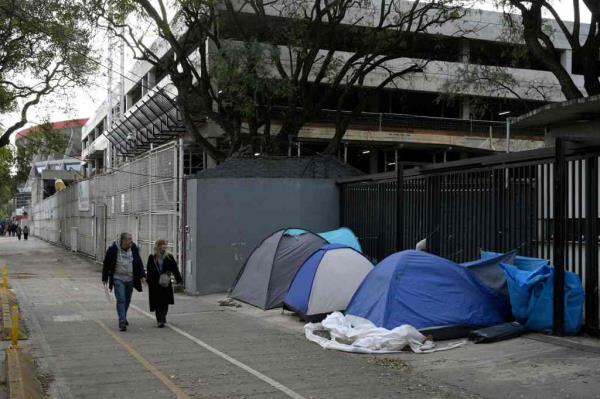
497 203
142 197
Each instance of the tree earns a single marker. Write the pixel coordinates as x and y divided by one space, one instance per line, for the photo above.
16 161
44 49
538 32
245 64
344 52
6 183
187 66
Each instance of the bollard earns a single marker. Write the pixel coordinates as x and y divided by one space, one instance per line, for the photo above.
5 276
14 333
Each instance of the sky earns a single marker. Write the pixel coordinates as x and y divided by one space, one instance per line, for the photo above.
82 102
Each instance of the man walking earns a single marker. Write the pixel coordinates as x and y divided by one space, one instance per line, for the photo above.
18 230
123 269
25 232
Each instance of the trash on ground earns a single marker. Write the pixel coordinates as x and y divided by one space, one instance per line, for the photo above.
497 333
358 335
229 302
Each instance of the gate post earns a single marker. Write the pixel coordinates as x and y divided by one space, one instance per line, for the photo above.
399 206
560 200
591 246
434 206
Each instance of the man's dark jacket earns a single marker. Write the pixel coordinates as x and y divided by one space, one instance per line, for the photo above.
110 263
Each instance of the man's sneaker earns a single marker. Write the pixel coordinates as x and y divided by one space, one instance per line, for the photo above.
126 323
122 326
161 325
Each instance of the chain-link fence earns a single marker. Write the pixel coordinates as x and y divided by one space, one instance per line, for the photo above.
141 197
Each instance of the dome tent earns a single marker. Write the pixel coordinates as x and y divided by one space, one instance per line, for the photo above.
424 290
343 236
312 294
266 276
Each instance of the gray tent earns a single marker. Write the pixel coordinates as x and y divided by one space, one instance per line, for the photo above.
271 267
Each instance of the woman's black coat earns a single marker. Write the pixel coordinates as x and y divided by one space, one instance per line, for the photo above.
160 296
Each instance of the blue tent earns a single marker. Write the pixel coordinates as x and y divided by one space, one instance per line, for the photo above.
424 290
311 295
343 236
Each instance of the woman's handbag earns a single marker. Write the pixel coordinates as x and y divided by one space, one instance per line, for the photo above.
164 279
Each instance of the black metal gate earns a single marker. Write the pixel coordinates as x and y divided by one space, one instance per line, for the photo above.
497 203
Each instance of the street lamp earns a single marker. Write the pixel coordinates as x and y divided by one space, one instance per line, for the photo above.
508 122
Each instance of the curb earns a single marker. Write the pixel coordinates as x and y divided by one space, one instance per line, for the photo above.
20 376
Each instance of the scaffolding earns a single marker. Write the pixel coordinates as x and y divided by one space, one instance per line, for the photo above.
142 197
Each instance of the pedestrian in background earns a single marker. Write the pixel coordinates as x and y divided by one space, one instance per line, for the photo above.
25 232
160 267
19 231
123 269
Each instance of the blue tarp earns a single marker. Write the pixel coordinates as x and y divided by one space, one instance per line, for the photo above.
424 290
532 292
343 236
488 270
522 262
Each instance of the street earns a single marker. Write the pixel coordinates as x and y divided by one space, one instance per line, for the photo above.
207 351
210 351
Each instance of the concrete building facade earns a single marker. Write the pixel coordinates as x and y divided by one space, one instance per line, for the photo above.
407 121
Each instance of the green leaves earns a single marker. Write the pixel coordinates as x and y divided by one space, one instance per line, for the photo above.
44 46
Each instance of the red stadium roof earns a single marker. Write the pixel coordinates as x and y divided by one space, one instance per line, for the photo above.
55 125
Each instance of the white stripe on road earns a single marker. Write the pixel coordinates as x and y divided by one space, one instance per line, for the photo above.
231 360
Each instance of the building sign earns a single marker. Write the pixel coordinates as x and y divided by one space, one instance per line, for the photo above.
84 195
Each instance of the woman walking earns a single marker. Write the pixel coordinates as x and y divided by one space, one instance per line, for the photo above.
160 267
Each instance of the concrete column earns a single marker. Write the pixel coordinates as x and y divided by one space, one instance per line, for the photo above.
210 161
465 50
373 160
151 79
566 60
465 108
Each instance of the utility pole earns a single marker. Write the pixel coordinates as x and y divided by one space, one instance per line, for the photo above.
508 122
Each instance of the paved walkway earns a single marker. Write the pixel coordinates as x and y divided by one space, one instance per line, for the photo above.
207 352
210 351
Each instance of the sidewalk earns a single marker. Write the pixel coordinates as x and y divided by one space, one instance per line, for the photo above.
219 352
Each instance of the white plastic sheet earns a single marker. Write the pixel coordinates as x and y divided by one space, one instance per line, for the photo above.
358 335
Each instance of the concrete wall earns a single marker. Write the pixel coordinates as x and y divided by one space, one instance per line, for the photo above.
228 217
589 129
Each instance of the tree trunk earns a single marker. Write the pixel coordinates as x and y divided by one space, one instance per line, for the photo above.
531 27
589 58
289 131
341 126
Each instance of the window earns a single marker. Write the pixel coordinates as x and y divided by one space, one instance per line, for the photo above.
134 95
482 52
